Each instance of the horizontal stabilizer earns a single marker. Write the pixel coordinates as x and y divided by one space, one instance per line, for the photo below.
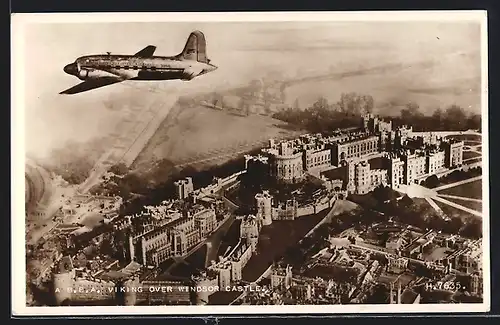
90 84
146 52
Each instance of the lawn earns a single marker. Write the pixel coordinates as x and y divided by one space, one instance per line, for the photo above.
478 206
471 154
472 143
454 212
474 160
465 137
472 190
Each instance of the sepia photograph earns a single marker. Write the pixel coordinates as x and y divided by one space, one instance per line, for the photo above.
240 163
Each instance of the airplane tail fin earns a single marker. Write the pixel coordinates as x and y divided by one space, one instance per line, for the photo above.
195 48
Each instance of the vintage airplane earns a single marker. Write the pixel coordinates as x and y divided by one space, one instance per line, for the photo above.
106 69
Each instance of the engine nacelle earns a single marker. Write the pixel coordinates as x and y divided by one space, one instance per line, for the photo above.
85 73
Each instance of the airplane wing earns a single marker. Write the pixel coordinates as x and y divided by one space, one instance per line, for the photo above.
91 84
146 52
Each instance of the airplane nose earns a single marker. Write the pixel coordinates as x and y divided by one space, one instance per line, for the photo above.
70 69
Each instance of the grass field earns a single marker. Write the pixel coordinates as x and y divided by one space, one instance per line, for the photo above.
472 190
474 160
472 143
471 154
478 206
466 137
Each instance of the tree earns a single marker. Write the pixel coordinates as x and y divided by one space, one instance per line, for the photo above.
431 181
320 104
438 119
119 169
473 229
355 104
456 117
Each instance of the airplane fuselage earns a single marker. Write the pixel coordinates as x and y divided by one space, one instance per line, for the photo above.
131 67
105 69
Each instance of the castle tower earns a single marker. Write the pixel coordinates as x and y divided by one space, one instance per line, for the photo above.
130 294
362 177
249 229
351 173
201 296
62 280
264 207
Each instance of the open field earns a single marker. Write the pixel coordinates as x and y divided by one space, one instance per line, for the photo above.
472 190
196 134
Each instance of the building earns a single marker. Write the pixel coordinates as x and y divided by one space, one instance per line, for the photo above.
436 161
476 284
396 171
374 125
184 187
263 203
362 179
286 162
249 230
415 166
286 210
239 258
281 277
173 235
354 147
318 158
205 221
454 151
366 179
397 264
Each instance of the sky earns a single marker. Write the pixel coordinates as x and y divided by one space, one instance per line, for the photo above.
243 51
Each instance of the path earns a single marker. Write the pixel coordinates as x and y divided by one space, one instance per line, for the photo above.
434 205
431 195
458 206
459 198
